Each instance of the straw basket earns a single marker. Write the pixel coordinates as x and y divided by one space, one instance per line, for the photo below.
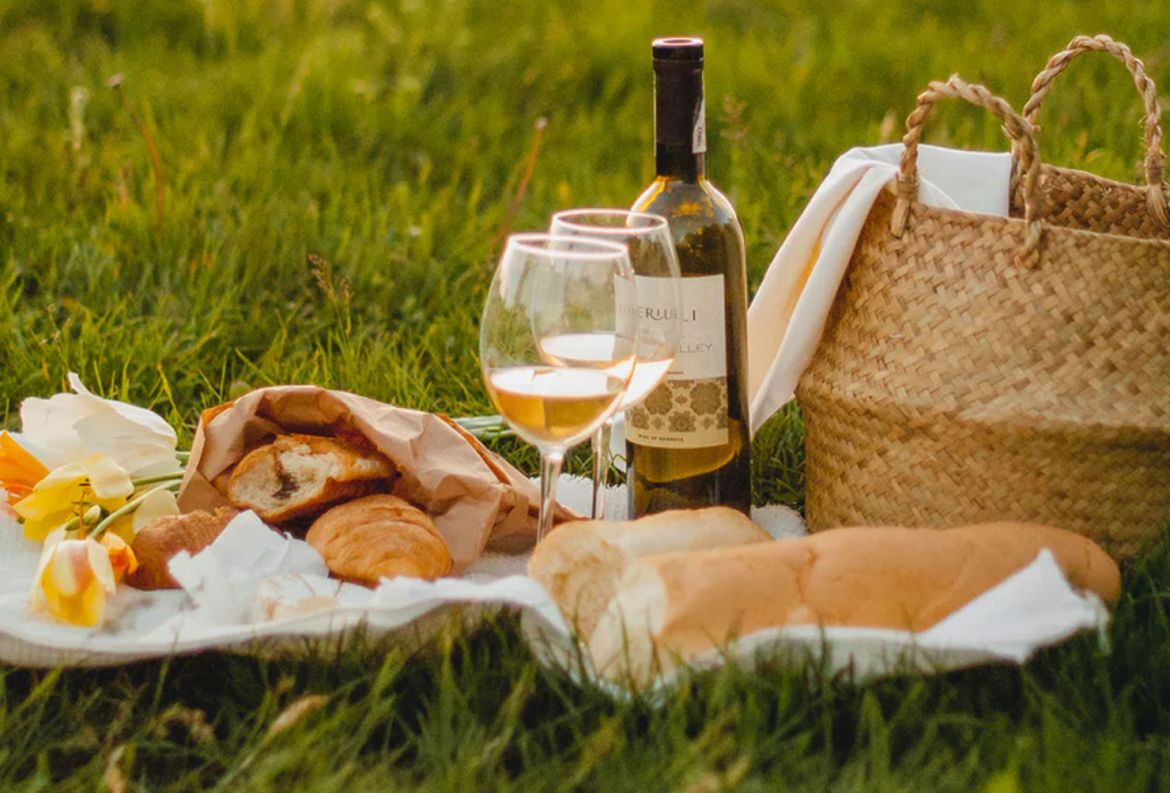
979 368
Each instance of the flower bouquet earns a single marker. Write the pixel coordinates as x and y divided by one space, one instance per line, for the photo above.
82 476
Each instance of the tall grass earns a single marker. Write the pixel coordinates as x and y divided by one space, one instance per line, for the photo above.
335 180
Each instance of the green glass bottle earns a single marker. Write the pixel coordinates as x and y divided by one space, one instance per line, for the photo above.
689 444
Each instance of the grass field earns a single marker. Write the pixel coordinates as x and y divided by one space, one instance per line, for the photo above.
335 181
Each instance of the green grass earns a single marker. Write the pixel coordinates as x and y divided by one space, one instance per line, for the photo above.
336 180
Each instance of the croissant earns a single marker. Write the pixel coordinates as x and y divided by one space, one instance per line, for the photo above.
379 536
158 541
297 476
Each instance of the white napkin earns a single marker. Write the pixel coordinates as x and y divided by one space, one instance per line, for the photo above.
222 579
787 315
1034 607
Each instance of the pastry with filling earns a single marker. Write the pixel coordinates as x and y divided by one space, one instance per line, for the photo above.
299 476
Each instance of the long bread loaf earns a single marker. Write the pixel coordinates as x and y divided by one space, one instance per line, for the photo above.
677 606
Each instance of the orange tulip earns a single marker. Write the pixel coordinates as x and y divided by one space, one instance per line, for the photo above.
19 470
122 559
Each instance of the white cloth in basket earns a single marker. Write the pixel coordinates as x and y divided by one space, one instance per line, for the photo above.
787 315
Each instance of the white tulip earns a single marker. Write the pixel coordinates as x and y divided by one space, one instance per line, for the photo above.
67 427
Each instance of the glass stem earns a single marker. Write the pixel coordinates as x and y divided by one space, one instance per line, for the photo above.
550 471
600 468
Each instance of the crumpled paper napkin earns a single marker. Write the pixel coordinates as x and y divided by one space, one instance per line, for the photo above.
222 579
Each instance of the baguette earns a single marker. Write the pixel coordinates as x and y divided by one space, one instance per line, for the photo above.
581 562
675 607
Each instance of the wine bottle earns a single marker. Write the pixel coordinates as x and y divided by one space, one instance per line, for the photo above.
688 444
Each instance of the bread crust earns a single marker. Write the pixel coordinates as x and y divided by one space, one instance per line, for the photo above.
379 536
680 605
299 476
158 541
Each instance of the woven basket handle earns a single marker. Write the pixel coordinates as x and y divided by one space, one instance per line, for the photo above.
1155 159
1017 128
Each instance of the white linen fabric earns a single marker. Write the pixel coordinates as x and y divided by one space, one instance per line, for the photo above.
787 316
1032 609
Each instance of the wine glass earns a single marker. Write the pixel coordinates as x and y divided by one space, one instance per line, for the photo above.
656 278
555 287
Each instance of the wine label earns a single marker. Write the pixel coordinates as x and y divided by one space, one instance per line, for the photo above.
689 409
699 135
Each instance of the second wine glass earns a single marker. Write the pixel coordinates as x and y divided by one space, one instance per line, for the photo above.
656 276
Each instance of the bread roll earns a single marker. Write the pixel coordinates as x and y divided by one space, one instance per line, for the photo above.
377 537
297 476
681 605
158 541
580 563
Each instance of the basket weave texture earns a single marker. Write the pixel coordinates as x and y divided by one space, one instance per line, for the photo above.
979 368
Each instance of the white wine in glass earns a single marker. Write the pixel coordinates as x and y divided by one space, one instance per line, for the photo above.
593 350
554 404
656 277
546 288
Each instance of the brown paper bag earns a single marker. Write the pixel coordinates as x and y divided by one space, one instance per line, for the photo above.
477 500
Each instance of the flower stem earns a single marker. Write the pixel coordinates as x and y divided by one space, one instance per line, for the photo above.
174 476
81 522
126 509
485 428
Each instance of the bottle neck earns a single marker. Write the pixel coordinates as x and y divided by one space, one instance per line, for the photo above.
680 129
679 162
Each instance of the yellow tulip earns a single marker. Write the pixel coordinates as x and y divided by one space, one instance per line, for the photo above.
19 470
67 492
74 580
106 478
